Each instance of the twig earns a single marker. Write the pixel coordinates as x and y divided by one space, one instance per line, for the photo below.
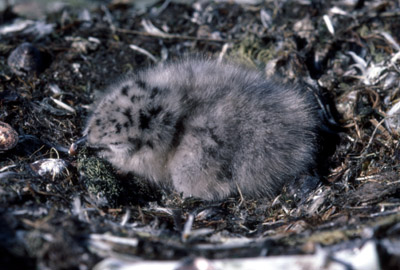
372 137
171 36
143 51
63 105
224 49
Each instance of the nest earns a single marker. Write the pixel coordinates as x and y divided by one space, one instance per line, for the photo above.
87 215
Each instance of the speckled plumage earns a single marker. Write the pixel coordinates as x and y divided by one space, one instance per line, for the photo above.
207 129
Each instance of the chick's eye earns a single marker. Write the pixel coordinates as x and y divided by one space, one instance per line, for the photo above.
118 145
97 148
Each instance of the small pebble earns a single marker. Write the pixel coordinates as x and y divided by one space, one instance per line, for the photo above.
8 137
25 59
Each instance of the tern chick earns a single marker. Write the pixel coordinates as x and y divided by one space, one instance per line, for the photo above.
207 129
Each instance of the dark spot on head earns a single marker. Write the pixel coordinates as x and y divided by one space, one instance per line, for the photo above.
128 114
141 84
98 122
113 121
136 98
167 120
124 90
126 125
149 144
115 143
104 134
135 143
155 111
144 120
145 117
118 128
154 92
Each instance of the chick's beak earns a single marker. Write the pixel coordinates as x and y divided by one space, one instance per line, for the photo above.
73 149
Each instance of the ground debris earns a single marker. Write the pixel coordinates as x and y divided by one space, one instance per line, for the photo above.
93 216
